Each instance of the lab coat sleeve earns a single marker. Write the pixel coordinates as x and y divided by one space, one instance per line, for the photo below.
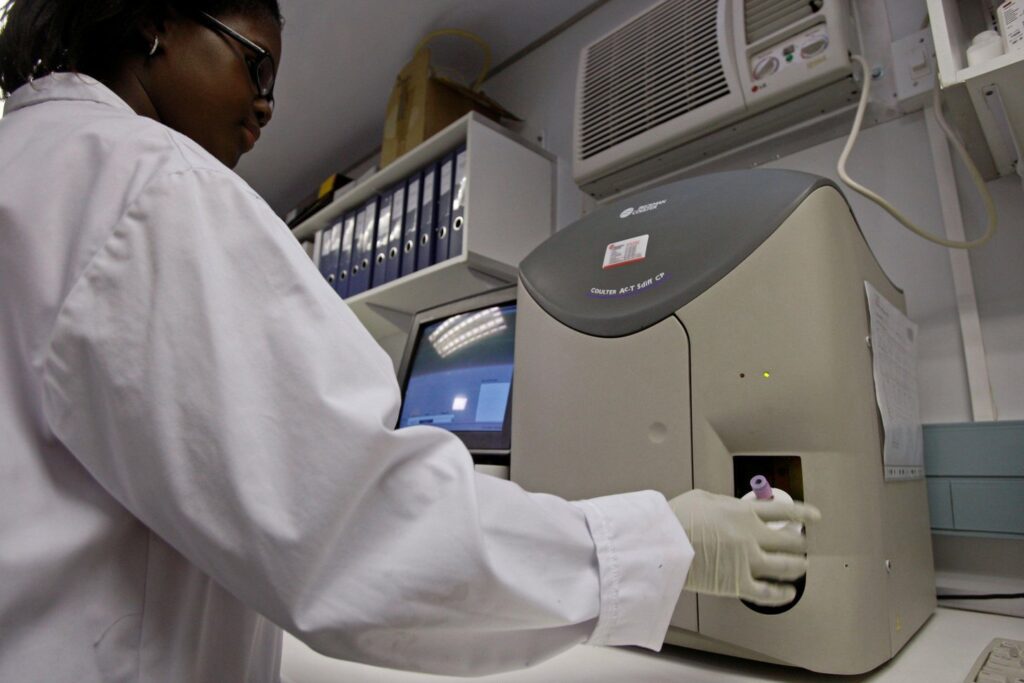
206 375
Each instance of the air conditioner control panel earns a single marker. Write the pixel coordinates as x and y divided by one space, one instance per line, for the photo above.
803 51
798 63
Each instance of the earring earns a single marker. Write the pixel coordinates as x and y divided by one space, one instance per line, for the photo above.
156 44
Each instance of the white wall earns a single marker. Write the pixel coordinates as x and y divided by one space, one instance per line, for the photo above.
892 158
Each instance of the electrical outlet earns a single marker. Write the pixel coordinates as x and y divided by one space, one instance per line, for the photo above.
913 62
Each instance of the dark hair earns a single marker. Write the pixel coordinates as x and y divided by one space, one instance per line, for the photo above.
91 36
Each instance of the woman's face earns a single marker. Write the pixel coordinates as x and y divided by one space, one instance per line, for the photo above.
200 84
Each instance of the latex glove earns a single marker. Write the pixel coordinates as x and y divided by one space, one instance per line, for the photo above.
735 553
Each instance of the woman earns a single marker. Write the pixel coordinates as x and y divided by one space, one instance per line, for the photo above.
198 444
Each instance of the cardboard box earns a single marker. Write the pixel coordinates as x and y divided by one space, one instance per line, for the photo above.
422 104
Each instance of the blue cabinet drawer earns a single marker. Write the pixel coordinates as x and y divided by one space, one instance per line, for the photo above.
988 505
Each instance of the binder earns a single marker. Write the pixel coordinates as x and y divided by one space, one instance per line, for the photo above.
412 214
381 240
308 246
318 239
395 235
458 231
330 245
362 248
355 280
428 215
443 225
348 229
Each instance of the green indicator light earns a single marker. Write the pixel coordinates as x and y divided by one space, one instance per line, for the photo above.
766 374
789 58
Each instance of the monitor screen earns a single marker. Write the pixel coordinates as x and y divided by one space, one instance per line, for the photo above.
460 376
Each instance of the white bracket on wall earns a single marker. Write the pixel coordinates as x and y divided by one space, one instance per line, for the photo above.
983 407
997 107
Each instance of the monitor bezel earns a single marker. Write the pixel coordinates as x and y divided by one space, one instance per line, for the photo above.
481 443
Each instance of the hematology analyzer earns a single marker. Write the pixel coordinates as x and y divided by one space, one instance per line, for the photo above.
708 332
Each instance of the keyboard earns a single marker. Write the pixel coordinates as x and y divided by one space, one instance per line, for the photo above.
1002 661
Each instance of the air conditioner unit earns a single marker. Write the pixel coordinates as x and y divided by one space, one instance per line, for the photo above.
689 79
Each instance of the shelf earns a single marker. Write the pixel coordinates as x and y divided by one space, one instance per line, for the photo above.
433 148
388 310
509 210
992 90
991 68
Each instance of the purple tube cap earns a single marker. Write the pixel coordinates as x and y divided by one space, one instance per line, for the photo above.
761 488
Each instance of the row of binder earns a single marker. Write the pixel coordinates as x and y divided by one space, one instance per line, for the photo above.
416 223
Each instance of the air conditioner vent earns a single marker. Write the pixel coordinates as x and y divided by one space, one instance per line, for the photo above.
659 66
765 17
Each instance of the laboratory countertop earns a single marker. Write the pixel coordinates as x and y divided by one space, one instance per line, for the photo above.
943 650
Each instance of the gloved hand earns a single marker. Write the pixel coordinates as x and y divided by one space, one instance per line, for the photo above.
736 554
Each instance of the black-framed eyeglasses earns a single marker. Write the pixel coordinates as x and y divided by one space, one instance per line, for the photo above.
262 69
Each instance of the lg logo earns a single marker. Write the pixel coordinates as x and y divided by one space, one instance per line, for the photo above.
626 213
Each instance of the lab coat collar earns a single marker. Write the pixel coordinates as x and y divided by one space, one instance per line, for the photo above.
63 86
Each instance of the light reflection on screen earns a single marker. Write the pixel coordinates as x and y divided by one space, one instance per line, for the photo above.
460 377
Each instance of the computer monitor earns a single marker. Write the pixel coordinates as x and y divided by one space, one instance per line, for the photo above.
456 372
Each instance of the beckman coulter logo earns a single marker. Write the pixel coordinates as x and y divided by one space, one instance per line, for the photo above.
626 213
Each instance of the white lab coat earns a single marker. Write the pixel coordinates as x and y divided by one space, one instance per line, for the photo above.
198 446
